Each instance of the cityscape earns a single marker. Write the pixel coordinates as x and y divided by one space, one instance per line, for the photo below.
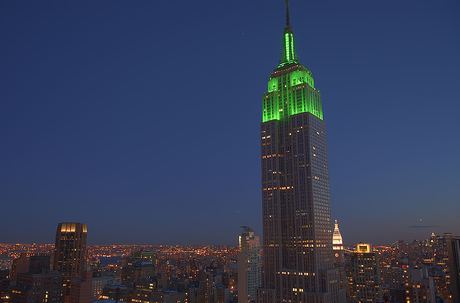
418 271
300 253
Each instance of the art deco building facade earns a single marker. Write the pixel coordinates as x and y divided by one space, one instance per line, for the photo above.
298 259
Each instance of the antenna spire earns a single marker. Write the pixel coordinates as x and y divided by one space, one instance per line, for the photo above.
289 55
288 20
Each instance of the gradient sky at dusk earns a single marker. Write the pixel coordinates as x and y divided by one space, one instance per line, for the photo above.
141 118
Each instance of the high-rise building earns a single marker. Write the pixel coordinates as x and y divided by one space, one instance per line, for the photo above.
70 249
70 261
364 275
339 257
337 243
453 253
298 262
249 266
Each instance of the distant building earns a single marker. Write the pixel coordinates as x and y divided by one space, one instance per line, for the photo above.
70 261
172 297
39 264
99 283
5 293
363 272
138 268
421 288
20 265
337 243
45 287
115 292
70 249
392 275
339 259
249 266
200 291
38 284
453 253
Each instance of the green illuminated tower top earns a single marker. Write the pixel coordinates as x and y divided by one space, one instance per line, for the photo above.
291 87
289 55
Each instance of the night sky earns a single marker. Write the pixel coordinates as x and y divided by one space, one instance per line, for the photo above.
141 118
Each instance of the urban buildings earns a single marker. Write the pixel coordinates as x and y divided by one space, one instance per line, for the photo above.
173 274
138 268
298 262
420 271
36 278
38 283
364 275
43 287
249 266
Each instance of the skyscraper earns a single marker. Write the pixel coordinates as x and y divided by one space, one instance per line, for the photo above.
249 266
339 256
337 241
297 246
70 259
364 275
453 253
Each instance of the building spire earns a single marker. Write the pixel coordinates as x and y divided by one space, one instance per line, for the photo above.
337 241
289 55
288 19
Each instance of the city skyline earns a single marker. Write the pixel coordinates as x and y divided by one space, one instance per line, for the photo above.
97 130
423 271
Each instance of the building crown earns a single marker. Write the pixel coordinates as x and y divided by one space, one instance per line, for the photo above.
337 242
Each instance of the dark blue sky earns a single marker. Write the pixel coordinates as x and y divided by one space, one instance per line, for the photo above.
141 118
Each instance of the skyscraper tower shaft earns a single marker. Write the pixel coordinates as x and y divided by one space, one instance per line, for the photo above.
70 254
297 226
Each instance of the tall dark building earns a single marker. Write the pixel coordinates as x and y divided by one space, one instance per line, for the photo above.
453 253
70 256
297 227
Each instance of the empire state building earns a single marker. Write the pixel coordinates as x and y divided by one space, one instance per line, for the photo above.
297 228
